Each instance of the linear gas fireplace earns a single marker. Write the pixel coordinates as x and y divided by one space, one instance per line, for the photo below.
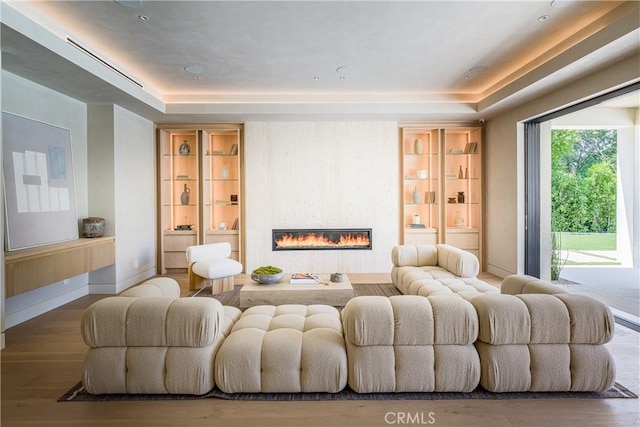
325 238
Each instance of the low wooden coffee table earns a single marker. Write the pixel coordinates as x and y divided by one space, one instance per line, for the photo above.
335 294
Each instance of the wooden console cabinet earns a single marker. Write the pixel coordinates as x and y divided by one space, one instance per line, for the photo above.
33 268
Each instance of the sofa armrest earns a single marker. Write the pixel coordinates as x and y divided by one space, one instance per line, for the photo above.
153 322
516 284
458 261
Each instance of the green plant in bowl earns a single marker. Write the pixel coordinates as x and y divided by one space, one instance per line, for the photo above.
267 274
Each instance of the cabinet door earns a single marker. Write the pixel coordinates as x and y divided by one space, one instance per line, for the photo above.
420 151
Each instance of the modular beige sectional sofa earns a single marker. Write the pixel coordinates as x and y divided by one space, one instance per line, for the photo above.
455 333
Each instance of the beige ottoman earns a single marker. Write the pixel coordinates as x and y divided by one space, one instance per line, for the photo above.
410 343
283 349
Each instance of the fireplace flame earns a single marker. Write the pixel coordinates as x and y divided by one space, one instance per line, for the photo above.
318 240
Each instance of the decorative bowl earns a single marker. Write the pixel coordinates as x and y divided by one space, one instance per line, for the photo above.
264 279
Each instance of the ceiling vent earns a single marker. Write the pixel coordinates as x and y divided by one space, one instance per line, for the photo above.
100 60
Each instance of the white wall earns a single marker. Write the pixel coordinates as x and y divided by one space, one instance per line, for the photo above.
135 198
321 175
25 98
505 166
123 188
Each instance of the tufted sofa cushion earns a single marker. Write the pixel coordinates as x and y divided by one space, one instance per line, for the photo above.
287 348
411 343
540 342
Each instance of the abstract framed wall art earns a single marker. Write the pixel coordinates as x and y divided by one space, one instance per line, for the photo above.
39 187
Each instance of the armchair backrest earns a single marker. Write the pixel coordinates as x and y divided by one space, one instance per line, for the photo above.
212 250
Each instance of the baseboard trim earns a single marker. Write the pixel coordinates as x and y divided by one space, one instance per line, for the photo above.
116 288
497 271
43 307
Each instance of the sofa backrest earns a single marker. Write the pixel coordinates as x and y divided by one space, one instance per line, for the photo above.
522 284
152 322
455 260
402 320
414 255
156 287
543 319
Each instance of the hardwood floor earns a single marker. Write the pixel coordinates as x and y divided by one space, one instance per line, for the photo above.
43 356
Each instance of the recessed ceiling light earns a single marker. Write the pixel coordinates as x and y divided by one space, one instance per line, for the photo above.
478 69
316 78
143 17
200 77
344 70
134 4
543 18
193 69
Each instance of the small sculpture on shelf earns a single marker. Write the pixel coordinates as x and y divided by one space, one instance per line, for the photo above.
458 221
460 196
184 148
184 197
418 146
417 196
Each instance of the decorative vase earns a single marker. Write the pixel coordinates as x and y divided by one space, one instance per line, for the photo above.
460 174
418 146
458 221
184 197
466 173
460 196
417 196
416 219
93 227
225 171
184 148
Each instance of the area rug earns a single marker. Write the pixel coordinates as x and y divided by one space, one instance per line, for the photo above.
79 394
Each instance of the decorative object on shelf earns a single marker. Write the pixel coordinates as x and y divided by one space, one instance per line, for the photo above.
184 197
418 146
458 221
460 174
417 196
234 199
451 199
416 219
417 226
430 197
460 196
222 226
224 173
422 174
234 150
466 173
184 148
183 227
93 227
336 277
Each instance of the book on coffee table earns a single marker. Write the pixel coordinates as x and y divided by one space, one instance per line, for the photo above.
304 278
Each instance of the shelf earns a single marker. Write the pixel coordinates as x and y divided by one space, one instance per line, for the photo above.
180 156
